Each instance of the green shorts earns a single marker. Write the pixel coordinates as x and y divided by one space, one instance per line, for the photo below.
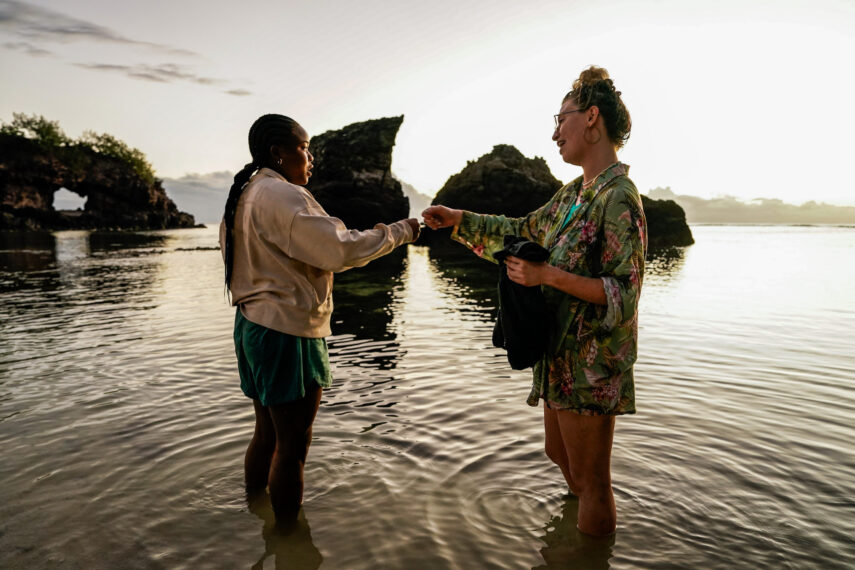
275 367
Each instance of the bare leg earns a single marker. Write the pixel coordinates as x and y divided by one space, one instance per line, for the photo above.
293 425
256 464
588 444
555 444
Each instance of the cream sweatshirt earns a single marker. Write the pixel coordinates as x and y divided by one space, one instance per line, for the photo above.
286 248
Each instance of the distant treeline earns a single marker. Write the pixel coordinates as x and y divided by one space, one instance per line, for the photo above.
48 135
732 210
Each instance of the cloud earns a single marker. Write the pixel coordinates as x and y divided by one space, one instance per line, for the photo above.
41 24
27 48
163 73
203 195
731 210
32 26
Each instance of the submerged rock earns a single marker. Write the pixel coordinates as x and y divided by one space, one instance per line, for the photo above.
117 197
352 177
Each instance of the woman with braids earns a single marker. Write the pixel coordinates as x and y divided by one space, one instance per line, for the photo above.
595 231
280 250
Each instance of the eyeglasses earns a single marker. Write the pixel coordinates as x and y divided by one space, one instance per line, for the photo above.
566 113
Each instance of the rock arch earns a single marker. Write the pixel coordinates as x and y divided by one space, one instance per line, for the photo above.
116 196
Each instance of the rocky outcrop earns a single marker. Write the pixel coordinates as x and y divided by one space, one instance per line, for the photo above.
503 181
506 182
666 224
116 196
352 176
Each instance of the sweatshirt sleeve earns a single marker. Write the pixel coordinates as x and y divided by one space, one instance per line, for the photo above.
326 243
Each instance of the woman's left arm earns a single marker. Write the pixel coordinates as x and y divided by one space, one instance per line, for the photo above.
590 289
622 255
622 261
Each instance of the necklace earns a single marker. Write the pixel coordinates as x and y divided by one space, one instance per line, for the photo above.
588 184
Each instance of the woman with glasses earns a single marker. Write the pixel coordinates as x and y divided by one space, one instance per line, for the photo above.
595 230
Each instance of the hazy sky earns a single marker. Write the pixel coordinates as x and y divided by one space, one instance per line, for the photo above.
747 98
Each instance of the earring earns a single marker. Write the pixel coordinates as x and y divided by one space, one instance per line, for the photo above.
279 161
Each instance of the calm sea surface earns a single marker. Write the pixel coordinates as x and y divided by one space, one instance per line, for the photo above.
122 426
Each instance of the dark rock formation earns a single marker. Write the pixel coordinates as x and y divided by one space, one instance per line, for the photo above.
352 176
666 224
117 197
500 182
506 182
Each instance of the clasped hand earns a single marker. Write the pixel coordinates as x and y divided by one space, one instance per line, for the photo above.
519 270
441 217
525 272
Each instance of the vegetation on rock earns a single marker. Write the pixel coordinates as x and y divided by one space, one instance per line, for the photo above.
37 158
50 136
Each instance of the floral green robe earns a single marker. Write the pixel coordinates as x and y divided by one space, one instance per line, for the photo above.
588 363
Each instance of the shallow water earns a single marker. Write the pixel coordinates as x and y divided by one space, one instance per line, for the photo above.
122 427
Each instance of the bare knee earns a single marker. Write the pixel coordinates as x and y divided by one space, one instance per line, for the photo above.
291 450
597 513
599 491
263 442
264 434
592 481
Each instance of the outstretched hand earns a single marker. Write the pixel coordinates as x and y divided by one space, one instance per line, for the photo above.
441 217
526 272
414 225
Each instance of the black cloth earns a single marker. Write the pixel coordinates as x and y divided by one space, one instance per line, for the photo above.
521 327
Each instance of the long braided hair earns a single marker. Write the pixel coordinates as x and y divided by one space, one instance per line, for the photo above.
266 131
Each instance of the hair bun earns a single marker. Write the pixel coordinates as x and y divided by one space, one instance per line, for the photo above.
595 78
593 75
594 87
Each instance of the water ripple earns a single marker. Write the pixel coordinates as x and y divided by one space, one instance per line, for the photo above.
123 428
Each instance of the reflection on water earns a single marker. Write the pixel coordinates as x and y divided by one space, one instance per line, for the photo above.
565 547
25 251
122 426
290 546
665 262
477 279
45 260
474 278
364 308
58 286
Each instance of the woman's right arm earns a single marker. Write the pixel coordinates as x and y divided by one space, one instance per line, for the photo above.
484 233
326 243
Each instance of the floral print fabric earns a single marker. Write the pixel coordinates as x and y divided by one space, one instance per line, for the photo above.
588 363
